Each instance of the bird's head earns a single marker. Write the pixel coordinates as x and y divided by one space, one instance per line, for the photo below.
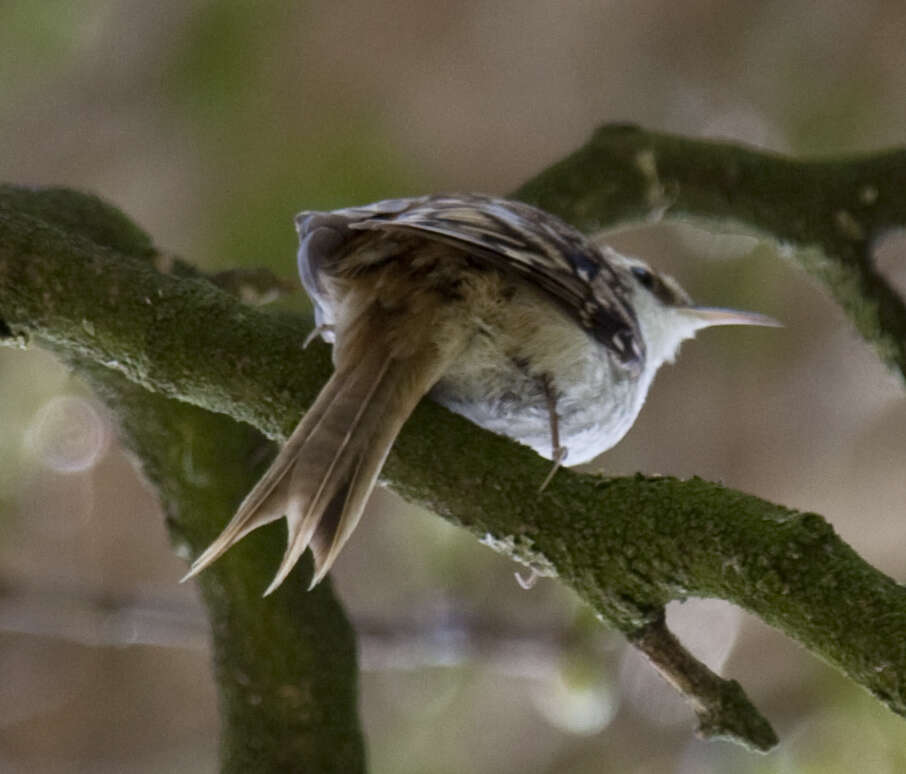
667 315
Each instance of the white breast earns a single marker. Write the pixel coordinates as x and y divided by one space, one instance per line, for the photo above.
498 382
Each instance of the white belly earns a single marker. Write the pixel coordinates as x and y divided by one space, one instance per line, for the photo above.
498 383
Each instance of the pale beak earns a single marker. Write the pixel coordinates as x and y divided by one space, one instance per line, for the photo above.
707 316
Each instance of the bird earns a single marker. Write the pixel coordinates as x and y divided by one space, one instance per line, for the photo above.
495 309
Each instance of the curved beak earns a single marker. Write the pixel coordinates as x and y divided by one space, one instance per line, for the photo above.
707 316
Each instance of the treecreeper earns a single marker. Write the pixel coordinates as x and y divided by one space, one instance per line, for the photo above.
497 310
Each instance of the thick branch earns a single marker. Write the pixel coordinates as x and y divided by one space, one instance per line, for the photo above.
285 666
626 545
122 314
831 211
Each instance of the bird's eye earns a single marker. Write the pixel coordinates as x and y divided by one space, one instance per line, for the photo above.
644 276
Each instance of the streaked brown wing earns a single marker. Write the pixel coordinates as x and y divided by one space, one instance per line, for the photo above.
519 239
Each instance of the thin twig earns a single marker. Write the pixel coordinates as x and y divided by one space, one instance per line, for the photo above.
722 708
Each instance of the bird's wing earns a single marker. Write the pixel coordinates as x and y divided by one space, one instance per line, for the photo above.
520 240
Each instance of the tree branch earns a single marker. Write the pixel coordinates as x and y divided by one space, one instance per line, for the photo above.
831 211
286 665
628 546
722 708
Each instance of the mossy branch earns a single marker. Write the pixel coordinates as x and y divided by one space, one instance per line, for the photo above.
628 545
285 666
830 211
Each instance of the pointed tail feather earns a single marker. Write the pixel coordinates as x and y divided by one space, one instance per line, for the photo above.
322 478
266 501
394 400
321 468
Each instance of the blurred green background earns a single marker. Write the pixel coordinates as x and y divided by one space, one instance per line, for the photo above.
211 124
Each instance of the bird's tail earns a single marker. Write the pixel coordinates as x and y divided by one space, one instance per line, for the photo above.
321 479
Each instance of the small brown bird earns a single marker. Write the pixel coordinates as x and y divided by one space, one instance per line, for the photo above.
499 311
